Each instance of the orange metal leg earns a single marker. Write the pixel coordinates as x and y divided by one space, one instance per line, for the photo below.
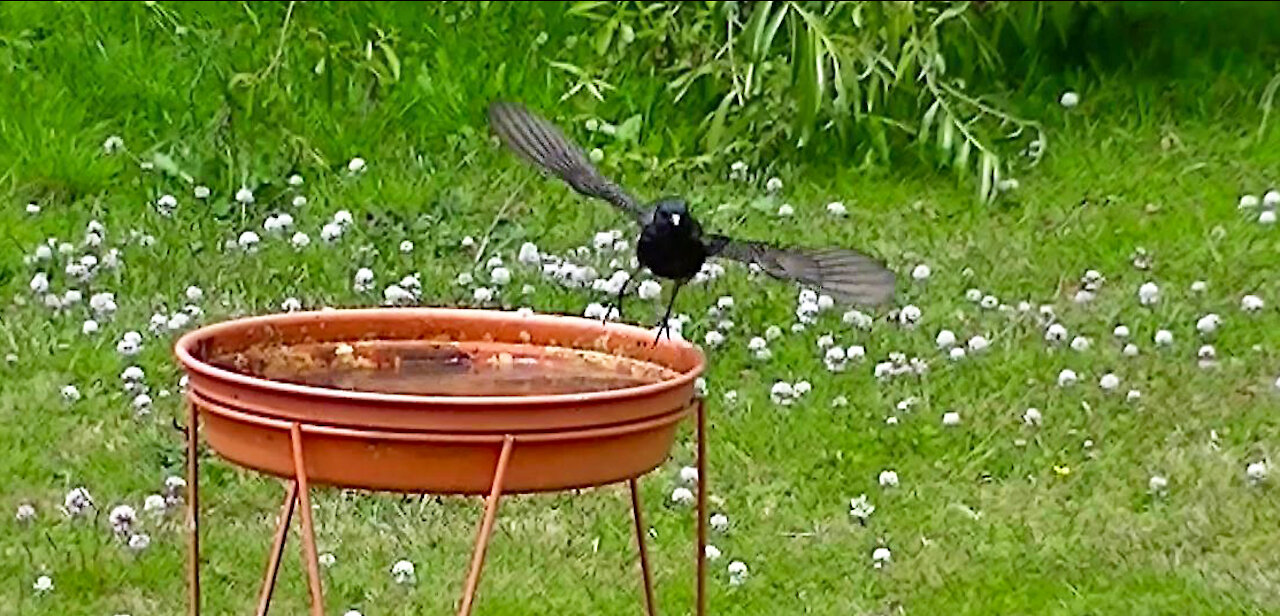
193 508
308 531
486 526
651 607
277 549
702 508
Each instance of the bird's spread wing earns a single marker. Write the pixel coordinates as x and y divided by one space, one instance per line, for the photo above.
540 142
846 275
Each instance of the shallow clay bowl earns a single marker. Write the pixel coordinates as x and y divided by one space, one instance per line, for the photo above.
413 442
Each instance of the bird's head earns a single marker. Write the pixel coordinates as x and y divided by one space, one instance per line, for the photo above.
672 211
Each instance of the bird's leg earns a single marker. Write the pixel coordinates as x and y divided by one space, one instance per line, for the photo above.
617 301
664 324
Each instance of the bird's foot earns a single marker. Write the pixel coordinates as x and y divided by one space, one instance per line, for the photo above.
664 326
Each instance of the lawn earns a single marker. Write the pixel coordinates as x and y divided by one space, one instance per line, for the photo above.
155 137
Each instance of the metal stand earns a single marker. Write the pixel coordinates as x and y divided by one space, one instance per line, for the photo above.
297 496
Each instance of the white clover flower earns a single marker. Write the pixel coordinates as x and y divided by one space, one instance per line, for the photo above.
363 279
201 192
25 512
39 283
177 321
989 302
395 294
950 419
1083 296
1130 350
1208 323
973 295
737 573
1121 332
353 613
801 388
1056 332
1206 353
153 504
756 343
1067 377
1271 199
681 496
957 353
33 208
1080 343
1031 416
880 557
43 584
774 184
1251 303
1109 381
139 542
128 347
112 144
888 479
711 552
244 195
689 474
327 560
835 359
167 202
356 165
978 344
719 522
1257 472
596 155
122 519
43 253
403 572
291 304
836 208
70 393
294 180
1069 99
468 242
782 393
1133 396
713 338
132 374
909 316
248 240
77 501
861 508
500 276
921 272
484 294
786 210
1267 217
142 404
1148 293
1199 286
1164 337
1248 201
946 339
857 319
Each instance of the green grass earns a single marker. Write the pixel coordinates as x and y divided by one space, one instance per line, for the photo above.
1157 163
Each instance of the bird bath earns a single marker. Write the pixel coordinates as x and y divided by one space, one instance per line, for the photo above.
437 401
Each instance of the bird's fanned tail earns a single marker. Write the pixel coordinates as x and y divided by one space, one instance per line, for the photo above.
541 143
846 275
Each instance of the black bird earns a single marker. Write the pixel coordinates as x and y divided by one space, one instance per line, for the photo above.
672 244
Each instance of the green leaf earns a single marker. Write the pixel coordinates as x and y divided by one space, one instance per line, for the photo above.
754 30
716 131
926 123
165 163
393 62
962 156
987 173
604 36
629 130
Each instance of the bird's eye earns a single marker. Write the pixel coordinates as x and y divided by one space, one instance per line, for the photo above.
675 219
